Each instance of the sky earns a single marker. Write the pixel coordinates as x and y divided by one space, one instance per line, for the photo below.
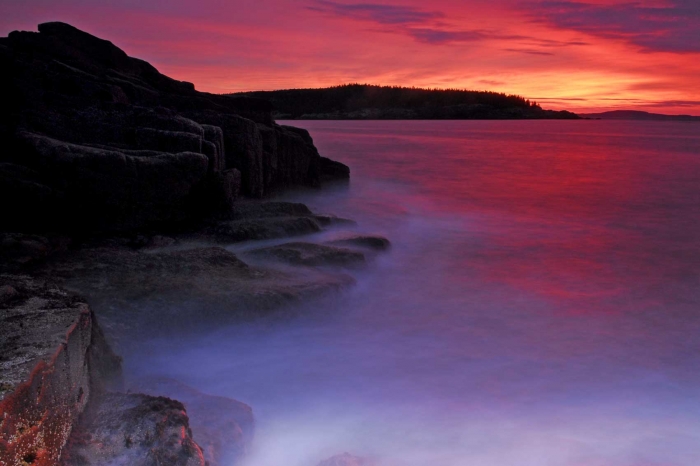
581 55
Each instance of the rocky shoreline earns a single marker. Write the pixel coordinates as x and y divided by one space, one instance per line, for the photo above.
126 190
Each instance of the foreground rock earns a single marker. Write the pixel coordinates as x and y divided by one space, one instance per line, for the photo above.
96 140
222 427
135 430
309 254
143 286
54 361
144 294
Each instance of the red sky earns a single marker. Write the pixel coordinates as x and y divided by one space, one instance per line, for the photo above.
580 55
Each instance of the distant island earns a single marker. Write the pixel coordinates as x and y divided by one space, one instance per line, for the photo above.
368 102
637 115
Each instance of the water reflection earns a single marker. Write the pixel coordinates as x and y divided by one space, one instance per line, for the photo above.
540 305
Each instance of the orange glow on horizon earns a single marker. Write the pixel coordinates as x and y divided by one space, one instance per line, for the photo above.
582 56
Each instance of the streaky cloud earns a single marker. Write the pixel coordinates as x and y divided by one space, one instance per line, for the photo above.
672 103
529 51
426 26
670 28
378 13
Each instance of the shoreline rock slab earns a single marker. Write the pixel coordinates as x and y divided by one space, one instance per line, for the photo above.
377 243
309 254
145 294
54 360
135 430
263 228
222 427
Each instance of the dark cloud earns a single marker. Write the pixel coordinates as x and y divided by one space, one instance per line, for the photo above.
673 103
559 43
561 99
529 51
429 27
443 36
671 28
491 82
424 26
382 14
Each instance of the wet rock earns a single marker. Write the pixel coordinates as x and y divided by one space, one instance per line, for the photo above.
256 210
333 171
54 359
332 220
134 429
309 254
264 220
20 249
222 427
377 243
253 220
263 228
152 293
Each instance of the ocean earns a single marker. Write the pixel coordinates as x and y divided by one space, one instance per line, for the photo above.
540 305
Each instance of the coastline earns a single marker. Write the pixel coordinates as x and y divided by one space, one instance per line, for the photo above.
132 186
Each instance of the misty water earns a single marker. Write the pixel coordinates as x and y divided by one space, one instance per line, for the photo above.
540 305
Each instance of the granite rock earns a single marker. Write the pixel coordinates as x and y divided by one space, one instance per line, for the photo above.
54 360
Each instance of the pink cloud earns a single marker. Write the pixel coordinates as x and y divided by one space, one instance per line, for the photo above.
571 55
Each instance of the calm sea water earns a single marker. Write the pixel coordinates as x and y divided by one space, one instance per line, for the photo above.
540 305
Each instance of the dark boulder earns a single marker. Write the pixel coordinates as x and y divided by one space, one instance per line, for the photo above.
332 220
222 427
134 429
331 170
81 116
100 188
